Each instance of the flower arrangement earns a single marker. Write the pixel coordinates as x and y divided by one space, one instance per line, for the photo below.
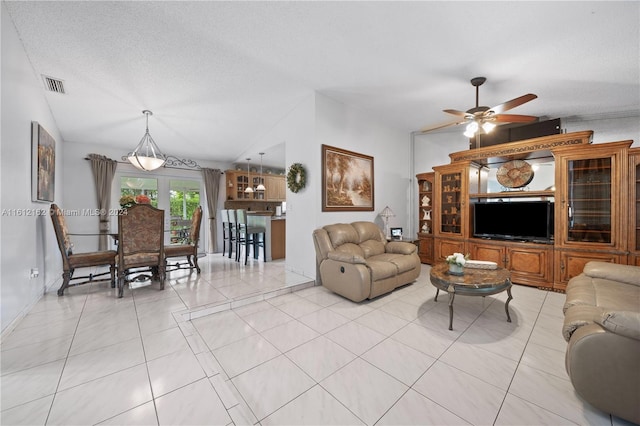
457 259
127 201
143 199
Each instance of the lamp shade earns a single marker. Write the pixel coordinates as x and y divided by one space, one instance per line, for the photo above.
387 212
146 156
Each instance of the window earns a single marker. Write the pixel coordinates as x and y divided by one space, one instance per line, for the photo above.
144 190
184 198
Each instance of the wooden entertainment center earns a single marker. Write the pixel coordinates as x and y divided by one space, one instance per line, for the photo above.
595 189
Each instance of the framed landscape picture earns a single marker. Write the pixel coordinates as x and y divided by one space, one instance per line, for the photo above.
347 180
43 164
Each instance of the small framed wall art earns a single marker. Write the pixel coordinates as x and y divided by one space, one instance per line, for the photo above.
43 164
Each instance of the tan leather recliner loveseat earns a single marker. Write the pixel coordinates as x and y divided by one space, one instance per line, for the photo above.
602 326
355 260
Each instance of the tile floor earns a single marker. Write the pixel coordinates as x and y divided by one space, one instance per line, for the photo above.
198 353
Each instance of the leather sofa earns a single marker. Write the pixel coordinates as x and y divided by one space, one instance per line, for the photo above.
602 328
356 261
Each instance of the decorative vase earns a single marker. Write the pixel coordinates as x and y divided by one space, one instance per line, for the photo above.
427 214
456 269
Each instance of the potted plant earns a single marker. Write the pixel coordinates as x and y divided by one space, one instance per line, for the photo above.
456 263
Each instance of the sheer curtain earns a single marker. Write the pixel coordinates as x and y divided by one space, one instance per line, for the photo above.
103 171
212 188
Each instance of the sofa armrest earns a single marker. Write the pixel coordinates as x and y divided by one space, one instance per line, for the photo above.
627 274
579 316
400 247
624 323
341 256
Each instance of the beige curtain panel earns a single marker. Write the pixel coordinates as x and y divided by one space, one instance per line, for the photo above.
212 188
104 170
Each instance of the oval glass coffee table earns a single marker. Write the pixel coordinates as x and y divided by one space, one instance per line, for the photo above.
474 282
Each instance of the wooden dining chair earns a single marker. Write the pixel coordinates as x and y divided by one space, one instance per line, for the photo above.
140 244
71 261
190 248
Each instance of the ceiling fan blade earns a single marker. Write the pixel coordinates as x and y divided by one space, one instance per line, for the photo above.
513 118
498 109
441 126
456 112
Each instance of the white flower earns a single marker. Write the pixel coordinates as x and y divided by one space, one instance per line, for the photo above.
457 259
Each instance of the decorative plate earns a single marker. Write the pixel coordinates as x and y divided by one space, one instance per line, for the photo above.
515 174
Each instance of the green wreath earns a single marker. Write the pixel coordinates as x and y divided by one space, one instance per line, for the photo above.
296 178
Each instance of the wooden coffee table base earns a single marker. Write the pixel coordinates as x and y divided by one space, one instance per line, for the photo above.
474 282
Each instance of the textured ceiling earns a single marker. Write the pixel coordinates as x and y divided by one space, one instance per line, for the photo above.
218 75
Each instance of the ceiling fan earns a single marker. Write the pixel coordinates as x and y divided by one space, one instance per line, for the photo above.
482 119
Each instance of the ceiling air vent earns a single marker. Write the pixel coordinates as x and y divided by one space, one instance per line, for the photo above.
53 84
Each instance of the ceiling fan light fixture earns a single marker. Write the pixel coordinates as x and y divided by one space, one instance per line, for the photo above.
471 129
488 126
147 156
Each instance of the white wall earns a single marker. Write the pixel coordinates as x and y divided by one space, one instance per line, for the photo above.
319 120
329 122
25 241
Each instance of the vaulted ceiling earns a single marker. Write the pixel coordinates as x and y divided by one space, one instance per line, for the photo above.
218 75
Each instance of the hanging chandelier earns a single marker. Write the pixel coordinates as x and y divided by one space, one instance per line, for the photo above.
260 186
147 156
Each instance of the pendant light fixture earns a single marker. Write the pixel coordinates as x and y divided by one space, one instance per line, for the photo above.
261 187
147 156
249 186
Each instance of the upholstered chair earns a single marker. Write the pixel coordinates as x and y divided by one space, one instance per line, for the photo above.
71 261
190 248
140 243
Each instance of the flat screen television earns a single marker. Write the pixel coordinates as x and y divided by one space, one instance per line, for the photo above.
515 220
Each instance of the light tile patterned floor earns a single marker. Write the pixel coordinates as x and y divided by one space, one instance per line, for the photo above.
198 353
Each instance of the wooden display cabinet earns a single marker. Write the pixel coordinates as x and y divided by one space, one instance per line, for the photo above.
596 194
425 216
590 213
451 193
634 200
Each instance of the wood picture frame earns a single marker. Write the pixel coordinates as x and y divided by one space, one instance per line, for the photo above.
347 180
43 164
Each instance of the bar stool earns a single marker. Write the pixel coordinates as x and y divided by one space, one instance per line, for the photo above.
228 233
249 235
233 233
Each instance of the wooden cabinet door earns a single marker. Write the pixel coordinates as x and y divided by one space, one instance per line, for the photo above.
275 188
589 212
425 203
444 248
488 252
425 249
450 213
634 200
569 264
530 266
